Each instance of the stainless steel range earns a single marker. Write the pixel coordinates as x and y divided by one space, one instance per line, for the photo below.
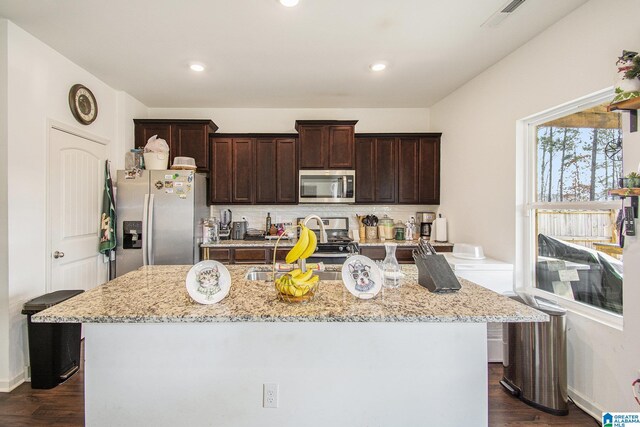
339 245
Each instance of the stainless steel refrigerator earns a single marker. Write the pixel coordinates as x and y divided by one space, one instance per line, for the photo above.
158 218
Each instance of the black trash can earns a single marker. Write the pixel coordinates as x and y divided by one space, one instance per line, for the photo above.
54 348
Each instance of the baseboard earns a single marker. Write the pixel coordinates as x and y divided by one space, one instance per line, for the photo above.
7 386
585 404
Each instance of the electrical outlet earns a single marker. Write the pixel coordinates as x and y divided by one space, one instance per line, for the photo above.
270 395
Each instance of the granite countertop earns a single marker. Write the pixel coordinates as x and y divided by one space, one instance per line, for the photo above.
157 294
284 243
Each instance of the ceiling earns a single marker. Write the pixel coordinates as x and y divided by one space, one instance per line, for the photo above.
260 54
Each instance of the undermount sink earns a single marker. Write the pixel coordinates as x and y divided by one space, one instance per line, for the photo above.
267 275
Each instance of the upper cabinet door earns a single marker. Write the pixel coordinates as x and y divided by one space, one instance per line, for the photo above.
191 140
145 130
385 170
430 171
326 144
365 170
286 170
341 149
185 137
313 145
266 170
243 170
408 187
220 189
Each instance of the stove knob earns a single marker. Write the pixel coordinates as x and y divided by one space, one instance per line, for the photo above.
340 248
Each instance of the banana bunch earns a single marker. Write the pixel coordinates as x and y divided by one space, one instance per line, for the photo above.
296 283
306 245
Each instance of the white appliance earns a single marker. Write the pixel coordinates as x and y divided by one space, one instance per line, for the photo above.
327 186
494 275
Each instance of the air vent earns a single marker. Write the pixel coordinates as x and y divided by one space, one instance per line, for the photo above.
512 6
495 19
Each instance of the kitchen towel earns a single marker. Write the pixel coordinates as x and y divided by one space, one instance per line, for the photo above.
108 215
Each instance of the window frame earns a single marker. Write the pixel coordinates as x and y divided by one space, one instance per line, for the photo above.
526 199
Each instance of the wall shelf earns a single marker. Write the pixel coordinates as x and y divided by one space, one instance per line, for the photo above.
628 192
625 192
631 105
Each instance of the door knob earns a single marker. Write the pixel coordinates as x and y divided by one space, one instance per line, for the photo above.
58 254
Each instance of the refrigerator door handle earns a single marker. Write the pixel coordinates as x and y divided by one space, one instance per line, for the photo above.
150 231
145 235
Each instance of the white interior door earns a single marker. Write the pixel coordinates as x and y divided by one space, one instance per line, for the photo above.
76 179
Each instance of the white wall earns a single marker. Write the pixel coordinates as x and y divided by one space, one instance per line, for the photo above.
4 249
37 90
571 59
246 120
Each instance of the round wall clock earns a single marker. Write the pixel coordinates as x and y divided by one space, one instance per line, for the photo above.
83 104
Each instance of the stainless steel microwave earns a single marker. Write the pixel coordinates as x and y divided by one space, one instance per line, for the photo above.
327 186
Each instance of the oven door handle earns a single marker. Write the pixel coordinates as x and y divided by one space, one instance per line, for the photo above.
324 255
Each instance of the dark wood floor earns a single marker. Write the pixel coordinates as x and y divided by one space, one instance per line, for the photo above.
64 406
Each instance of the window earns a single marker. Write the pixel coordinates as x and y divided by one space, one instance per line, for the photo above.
576 157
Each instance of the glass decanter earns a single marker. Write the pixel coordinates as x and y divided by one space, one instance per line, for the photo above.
391 272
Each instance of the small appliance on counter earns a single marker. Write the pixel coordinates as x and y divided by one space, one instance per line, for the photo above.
239 229
425 219
224 231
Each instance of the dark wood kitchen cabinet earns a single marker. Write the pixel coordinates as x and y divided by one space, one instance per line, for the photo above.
242 171
186 138
276 171
253 169
326 144
376 170
404 254
220 179
398 168
419 169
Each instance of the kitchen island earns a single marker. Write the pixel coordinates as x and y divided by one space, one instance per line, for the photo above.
407 357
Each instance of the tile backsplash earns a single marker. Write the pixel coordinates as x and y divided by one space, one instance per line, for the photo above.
256 214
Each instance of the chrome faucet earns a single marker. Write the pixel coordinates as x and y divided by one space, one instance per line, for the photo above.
302 263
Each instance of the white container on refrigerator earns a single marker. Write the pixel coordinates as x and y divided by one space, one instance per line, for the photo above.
158 214
494 275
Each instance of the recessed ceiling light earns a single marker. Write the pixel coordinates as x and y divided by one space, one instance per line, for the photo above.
289 3
378 66
197 67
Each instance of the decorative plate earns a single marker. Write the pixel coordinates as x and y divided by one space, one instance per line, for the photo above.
208 282
361 276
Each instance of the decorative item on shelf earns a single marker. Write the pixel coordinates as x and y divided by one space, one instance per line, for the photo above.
633 180
297 286
628 84
83 104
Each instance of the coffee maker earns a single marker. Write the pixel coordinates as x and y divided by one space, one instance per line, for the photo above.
425 219
225 224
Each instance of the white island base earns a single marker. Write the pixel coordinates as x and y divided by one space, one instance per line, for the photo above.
329 374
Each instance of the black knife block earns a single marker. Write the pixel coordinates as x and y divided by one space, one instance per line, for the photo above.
435 274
